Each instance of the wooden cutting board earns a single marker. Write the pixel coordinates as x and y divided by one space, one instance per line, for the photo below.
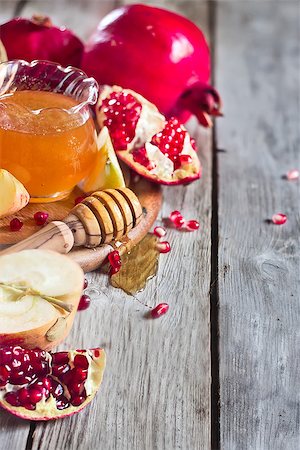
150 197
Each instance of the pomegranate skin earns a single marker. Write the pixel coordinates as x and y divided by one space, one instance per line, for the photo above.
159 54
39 39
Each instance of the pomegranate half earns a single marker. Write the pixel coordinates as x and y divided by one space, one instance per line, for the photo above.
158 53
39 385
158 149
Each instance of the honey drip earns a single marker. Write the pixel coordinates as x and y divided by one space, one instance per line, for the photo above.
139 266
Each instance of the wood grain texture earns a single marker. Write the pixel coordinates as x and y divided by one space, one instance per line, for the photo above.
258 66
13 431
156 389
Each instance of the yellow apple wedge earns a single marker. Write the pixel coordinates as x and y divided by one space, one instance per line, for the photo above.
106 173
3 55
13 195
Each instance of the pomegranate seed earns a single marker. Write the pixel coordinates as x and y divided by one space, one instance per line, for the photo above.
46 383
292 174
174 214
114 261
15 224
192 225
178 222
62 403
80 375
60 358
193 144
96 352
35 395
60 370
159 310
140 156
12 398
163 247
56 389
279 219
114 258
40 217
81 361
75 388
23 396
84 302
78 400
177 219
79 199
29 407
19 378
5 356
159 231
85 284
4 375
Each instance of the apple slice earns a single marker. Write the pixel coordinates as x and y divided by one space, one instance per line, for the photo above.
106 173
39 295
13 194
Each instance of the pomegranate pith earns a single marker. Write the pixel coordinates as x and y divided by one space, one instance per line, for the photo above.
42 397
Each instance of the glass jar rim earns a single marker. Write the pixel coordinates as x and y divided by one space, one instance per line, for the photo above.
69 81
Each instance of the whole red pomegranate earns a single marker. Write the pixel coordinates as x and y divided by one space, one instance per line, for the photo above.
157 53
38 38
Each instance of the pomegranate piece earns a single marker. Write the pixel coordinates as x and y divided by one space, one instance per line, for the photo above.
15 224
158 149
84 302
158 53
40 397
279 219
129 117
41 217
159 310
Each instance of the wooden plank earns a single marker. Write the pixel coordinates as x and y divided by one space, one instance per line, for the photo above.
258 60
14 431
156 389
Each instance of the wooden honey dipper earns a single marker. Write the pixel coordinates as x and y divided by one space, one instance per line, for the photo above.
103 217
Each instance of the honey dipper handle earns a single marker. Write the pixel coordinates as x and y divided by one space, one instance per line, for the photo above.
55 236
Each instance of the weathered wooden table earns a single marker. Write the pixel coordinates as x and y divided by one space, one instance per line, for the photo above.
221 369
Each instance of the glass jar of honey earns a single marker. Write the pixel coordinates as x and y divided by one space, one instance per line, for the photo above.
47 134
